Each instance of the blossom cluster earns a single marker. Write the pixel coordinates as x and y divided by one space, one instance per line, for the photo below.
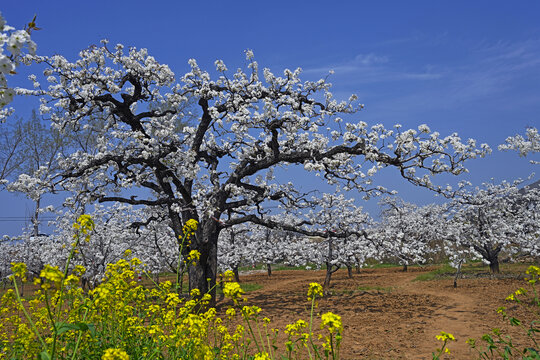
15 42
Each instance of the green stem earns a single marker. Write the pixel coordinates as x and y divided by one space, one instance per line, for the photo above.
268 341
178 275
252 333
260 334
80 336
27 315
310 327
59 306
332 346
48 306
61 295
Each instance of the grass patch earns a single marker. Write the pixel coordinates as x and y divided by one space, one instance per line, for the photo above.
471 269
383 265
248 287
278 267
442 271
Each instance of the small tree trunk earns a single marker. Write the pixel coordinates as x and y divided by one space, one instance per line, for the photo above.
221 295
328 277
236 274
269 269
330 269
493 257
35 221
494 266
358 267
404 267
349 271
330 256
458 273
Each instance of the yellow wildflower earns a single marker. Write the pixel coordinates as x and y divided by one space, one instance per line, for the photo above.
194 255
231 312
233 291
333 322
190 227
262 356
444 336
115 354
52 273
315 289
228 275
84 224
79 270
249 311
296 328
192 224
19 270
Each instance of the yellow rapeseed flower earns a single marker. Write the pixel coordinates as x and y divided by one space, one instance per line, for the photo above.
52 273
233 291
84 225
315 289
194 255
332 321
250 311
444 336
296 328
79 270
228 275
230 312
262 356
115 354
192 224
190 227
19 270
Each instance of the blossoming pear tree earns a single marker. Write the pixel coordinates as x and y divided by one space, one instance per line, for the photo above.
524 145
342 223
234 249
16 42
408 232
249 124
244 245
495 218
268 246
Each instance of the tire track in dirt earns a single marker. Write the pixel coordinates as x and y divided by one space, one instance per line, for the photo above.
456 315
387 315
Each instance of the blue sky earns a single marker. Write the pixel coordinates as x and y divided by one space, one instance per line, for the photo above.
458 66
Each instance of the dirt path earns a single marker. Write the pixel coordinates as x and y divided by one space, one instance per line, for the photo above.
387 315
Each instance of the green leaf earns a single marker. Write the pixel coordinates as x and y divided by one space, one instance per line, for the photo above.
63 327
533 352
514 321
44 355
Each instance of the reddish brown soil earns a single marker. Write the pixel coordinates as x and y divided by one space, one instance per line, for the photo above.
396 318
